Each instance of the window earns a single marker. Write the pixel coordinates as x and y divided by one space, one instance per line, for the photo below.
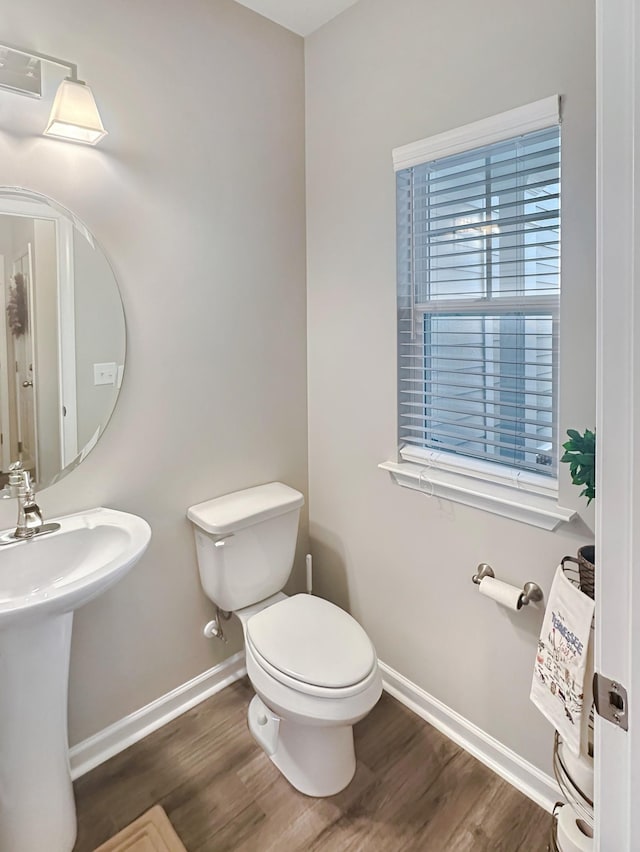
478 243
478 236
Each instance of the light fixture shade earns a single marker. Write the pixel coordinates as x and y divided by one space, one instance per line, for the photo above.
74 114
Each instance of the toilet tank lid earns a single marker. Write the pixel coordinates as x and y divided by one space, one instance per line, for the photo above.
232 512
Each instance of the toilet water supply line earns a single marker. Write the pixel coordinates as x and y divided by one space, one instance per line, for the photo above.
213 629
309 574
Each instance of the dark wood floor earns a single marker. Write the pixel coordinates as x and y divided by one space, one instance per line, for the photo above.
414 790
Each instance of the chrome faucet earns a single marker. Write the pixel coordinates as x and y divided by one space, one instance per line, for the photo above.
29 514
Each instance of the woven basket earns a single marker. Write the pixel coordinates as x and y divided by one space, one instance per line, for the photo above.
586 566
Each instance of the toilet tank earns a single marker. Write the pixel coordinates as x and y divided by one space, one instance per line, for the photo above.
246 543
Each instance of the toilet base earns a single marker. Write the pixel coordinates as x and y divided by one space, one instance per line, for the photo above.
317 760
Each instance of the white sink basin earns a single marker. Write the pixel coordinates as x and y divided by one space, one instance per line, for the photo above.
59 571
42 581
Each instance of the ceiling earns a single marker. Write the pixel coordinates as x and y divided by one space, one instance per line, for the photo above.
301 16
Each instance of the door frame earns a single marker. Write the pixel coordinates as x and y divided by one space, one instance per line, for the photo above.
5 424
66 319
67 388
617 753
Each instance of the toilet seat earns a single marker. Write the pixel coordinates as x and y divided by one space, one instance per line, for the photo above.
309 689
312 645
313 705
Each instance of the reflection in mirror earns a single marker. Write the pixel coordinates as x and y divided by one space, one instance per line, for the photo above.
62 339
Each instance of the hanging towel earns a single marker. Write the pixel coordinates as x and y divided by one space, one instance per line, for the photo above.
558 688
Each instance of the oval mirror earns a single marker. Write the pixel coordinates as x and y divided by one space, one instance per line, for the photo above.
62 337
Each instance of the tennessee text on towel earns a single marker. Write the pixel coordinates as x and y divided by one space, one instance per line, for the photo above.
558 688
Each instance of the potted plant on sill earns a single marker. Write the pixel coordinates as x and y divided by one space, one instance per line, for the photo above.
580 455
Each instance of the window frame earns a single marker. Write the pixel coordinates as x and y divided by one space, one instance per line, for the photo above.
493 486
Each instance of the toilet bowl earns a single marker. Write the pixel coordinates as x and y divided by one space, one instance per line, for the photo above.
313 667
310 694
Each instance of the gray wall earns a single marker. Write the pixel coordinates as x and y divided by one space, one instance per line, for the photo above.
100 335
197 198
379 76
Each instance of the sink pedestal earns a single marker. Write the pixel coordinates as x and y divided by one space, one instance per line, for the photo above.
42 581
37 808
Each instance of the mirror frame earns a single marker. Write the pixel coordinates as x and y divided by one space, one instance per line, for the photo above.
20 201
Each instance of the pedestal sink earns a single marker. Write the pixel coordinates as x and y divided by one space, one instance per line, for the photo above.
42 581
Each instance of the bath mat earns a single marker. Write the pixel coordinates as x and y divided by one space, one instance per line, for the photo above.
152 832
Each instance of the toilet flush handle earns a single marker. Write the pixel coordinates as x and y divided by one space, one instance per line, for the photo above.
223 540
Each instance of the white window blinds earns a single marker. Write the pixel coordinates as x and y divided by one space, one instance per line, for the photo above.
478 237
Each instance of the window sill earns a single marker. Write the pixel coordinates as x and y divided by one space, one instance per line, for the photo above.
530 502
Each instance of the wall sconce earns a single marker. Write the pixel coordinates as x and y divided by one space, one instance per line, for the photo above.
74 114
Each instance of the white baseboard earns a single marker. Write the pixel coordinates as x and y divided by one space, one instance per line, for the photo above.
524 776
117 737
520 773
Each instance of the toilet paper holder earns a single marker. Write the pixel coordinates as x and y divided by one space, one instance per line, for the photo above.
531 592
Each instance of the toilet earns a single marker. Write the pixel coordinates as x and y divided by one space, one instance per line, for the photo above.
312 666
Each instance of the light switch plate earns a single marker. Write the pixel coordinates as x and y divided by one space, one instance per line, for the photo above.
105 374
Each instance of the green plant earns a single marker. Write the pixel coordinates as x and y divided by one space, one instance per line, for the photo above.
580 455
